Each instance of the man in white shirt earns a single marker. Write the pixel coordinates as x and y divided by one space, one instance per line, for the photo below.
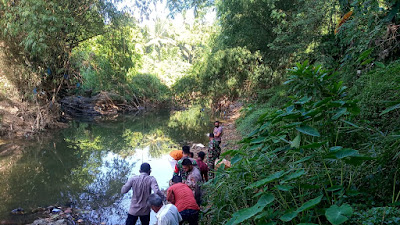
166 214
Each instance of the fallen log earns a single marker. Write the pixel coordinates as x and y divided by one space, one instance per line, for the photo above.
102 104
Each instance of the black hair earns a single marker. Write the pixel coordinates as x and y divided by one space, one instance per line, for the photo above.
191 155
186 149
211 135
177 179
145 168
216 121
201 154
186 162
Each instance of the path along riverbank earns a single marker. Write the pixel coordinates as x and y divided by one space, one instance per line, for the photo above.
231 135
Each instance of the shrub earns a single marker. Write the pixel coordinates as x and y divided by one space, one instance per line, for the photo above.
292 161
375 91
149 88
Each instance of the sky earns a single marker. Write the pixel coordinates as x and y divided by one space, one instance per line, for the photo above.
160 10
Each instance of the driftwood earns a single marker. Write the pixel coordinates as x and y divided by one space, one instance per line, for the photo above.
102 104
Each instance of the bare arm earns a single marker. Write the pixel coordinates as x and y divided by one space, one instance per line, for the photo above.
156 189
170 196
219 132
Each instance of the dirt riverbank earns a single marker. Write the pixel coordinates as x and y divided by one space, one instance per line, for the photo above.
231 135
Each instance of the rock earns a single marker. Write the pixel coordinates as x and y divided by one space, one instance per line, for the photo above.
39 209
55 210
226 163
61 222
18 211
68 211
41 222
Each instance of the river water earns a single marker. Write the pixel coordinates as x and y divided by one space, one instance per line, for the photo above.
86 164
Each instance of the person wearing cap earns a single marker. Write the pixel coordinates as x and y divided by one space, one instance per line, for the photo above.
182 197
174 156
141 186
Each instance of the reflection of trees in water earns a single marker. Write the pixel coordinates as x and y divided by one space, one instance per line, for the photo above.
40 176
160 132
157 142
73 162
190 125
104 191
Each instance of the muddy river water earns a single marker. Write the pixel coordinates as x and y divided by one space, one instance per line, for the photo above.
86 164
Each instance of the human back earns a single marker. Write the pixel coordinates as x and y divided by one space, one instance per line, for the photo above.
141 187
184 198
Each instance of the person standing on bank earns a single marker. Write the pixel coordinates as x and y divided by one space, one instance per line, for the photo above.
217 132
141 186
202 166
165 214
213 154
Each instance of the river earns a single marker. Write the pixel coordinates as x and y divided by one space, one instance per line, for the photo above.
86 164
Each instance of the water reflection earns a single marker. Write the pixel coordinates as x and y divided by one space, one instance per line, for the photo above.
87 163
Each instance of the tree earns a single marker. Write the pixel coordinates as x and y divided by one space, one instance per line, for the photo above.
44 32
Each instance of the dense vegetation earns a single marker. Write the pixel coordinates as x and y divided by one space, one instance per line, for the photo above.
319 79
321 139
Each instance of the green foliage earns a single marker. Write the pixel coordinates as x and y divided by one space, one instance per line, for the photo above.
171 48
377 91
249 117
377 215
51 29
149 88
338 214
186 88
226 70
281 30
293 154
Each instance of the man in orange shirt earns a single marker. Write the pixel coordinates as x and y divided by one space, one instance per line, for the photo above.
182 197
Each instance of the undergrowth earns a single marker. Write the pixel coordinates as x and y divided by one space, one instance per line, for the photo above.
312 160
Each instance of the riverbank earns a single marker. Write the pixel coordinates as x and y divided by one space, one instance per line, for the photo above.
231 136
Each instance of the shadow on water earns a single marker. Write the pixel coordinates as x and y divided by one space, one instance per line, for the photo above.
86 164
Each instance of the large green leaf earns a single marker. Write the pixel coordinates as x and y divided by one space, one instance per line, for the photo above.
308 130
338 214
288 216
309 204
390 109
284 187
266 180
339 113
247 213
294 175
342 153
296 142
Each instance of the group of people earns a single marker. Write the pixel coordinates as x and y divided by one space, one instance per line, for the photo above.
184 193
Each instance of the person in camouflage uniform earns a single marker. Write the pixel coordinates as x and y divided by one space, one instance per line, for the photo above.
179 171
213 153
